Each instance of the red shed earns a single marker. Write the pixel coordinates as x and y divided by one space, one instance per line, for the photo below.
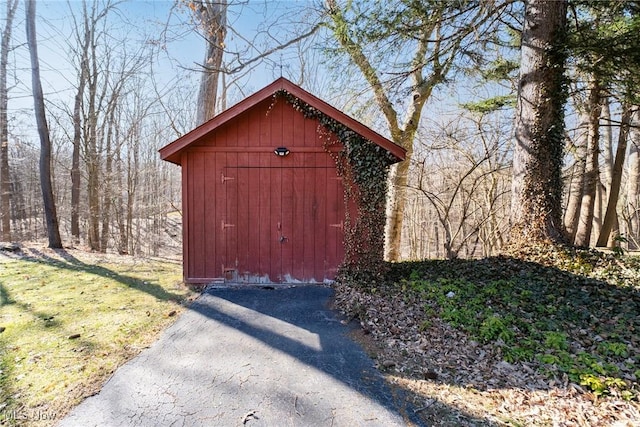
261 197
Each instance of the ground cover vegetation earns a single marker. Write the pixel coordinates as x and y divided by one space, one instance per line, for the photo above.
69 319
531 338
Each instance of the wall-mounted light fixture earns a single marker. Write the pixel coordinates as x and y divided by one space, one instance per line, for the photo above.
281 151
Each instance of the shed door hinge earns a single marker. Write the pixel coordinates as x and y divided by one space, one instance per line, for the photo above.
340 225
224 178
225 225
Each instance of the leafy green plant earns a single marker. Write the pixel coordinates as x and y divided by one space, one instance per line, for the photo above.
517 353
549 359
600 385
552 309
613 348
555 340
493 328
593 383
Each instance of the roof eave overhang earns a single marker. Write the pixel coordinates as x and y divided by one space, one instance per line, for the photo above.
172 151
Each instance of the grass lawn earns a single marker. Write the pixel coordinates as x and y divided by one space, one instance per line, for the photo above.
69 319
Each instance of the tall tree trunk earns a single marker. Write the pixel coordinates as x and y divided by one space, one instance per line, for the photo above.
609 160
212 15
106 192
536 204
84 40
607 142
43 130
5 176
133 177
633 183
123 240
610 224
598 208
592 174
572 214
91 145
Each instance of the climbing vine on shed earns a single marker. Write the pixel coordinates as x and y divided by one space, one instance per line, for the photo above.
363 167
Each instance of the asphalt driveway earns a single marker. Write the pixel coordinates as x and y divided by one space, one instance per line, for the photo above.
248 356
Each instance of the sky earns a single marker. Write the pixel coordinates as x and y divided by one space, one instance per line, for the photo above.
163 22
171 28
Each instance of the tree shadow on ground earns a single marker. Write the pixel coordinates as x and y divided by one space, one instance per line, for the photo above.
70 262
507 323
267 315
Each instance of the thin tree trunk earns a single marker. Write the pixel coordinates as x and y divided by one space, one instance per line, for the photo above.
5 176
633 183
587 210
106 192
609 159
607 142
598 210
536 203
83 73
43 130
123 241
572 214
133 175
94 108
610 223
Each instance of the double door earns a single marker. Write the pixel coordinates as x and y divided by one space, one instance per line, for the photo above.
281 219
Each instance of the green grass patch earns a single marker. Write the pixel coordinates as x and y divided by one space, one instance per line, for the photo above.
69 324
573 312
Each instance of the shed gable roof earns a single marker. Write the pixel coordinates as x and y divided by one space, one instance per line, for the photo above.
172 151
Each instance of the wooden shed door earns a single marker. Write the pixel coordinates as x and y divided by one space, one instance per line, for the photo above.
289 217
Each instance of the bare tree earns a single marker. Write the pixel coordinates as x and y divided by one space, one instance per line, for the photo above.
610 222
5 178
83 36
578 149
592 170
632 205
462 184
43 130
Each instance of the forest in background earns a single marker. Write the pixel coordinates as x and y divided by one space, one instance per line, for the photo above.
439 78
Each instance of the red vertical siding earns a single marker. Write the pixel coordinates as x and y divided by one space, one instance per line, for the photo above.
257 214
211 215
186 216
245 235
217 212
231 216
276 188
197 225
297 215
309 217
266 227
288 138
